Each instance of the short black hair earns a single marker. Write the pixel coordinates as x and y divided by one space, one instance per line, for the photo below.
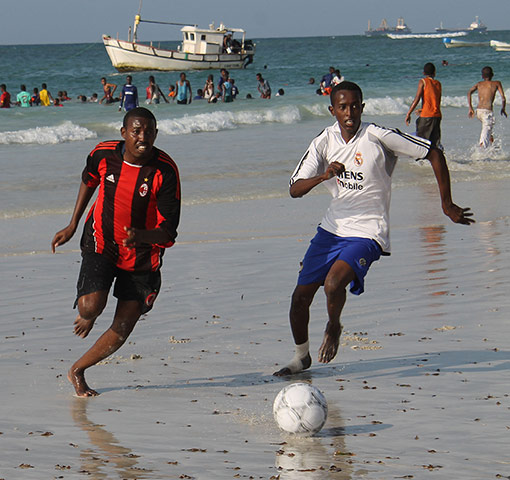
429 69
345 85
487 72
140 112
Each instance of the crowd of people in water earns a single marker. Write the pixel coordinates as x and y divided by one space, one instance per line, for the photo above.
224 90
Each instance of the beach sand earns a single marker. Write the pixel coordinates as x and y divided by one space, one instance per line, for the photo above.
418 390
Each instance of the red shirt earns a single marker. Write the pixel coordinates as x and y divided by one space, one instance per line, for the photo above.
144 197
5 100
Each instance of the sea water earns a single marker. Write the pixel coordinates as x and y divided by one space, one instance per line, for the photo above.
242 150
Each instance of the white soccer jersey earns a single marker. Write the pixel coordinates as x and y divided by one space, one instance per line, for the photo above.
361 194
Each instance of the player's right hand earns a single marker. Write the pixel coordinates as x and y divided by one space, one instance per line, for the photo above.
62 237
334 169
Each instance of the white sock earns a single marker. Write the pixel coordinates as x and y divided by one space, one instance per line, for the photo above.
302 351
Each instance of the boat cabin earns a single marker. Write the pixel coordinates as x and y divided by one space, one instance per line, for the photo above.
220 40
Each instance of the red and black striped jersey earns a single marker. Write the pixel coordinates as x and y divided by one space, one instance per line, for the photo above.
139 196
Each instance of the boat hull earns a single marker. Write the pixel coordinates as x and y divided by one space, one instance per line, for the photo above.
449 43
500 46
129 57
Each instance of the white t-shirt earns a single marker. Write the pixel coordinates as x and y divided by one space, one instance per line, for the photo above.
361 195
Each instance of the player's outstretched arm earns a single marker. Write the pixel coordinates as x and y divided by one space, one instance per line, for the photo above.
304 185
84 195
456 213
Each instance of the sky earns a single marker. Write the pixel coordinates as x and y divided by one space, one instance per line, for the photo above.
78 21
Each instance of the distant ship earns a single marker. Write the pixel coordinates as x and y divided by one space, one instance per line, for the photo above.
476 27
384 29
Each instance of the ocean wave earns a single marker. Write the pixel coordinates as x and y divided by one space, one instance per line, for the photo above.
385 106
223 120
66 132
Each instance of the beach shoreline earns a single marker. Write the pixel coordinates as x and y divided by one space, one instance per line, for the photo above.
419 384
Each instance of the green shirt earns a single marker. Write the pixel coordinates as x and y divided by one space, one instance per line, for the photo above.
23 98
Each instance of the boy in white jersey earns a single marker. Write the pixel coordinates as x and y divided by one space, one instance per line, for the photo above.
355 161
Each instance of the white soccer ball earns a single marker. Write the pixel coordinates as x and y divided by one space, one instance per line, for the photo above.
301 409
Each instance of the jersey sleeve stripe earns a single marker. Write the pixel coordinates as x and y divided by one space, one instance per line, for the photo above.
111 145
411 138
292 179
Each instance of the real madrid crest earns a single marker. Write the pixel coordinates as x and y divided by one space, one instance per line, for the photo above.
358 159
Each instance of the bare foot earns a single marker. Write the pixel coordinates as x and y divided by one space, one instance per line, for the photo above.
305 363
77 378
82 327
329 347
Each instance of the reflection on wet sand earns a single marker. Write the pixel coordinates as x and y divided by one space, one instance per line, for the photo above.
321 457
105 457
432 238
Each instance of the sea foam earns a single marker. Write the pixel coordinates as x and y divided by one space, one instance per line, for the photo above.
65 132
227 120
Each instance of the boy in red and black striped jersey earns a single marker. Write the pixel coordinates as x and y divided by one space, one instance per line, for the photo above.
133 219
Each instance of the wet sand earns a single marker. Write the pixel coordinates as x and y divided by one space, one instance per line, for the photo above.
418 390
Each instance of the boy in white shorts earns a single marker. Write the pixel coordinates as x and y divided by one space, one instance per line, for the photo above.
487 89
355 161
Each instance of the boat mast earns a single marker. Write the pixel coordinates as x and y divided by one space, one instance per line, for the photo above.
137 21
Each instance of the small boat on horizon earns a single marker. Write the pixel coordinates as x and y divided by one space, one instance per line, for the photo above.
475 27
452 43
385 29
500 46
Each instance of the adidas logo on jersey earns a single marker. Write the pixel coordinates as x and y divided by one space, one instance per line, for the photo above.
111 178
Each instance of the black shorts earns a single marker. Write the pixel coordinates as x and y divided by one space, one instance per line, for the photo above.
429 128
97 274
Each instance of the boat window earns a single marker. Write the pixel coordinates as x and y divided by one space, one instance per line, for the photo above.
186 35
192 37
203 38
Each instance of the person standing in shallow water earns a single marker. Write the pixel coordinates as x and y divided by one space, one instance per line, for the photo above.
428 124
355 161
133 220
487 89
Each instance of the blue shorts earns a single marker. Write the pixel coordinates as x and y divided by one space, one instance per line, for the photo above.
326 248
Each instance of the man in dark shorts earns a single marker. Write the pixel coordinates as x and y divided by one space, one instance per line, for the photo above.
428 124
132 221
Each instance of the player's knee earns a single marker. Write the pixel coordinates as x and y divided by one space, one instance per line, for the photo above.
301 299
333 287
90 308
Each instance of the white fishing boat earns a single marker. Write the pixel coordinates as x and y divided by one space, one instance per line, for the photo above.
452 43
201 49
500 46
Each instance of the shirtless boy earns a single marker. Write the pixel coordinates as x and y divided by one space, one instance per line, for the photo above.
355 161
132 221
487 89
108 90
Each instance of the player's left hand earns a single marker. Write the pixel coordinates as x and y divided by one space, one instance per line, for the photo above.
459 215
130 240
